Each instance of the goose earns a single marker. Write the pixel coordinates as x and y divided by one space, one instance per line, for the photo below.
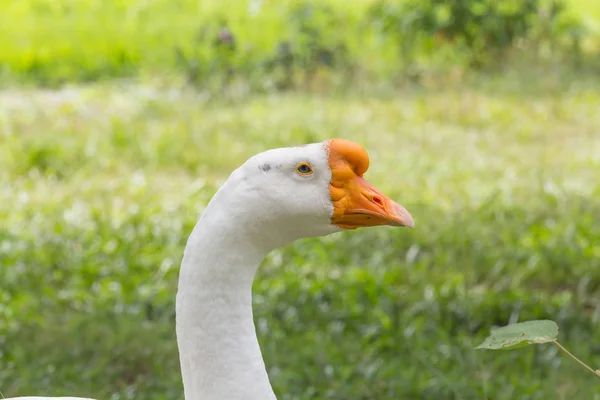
273 199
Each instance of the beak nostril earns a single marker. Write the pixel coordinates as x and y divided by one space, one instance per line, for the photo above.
377 200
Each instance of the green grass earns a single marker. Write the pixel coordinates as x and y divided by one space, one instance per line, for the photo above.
102 184
54 42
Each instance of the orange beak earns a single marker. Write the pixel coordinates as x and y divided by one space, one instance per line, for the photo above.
363 205
356 202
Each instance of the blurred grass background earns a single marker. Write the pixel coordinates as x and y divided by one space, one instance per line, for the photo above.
119 119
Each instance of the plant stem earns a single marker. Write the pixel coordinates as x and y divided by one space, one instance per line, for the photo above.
577 359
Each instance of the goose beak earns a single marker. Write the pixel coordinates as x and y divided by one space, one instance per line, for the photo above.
356 203
363 205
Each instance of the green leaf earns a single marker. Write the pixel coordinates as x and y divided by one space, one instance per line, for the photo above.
521 334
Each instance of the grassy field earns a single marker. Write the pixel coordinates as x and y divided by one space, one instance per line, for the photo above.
54 42
102 184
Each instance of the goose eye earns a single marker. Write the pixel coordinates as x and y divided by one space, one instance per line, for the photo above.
304 168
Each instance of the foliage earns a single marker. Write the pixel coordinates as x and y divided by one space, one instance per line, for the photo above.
485 28
525 333
520 335
311 45
272 44
302 50
102 184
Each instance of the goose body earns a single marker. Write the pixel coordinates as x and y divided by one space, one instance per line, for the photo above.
274 198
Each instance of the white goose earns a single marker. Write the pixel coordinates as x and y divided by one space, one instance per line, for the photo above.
274 198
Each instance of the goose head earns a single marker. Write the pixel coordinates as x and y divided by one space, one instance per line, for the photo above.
312 190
